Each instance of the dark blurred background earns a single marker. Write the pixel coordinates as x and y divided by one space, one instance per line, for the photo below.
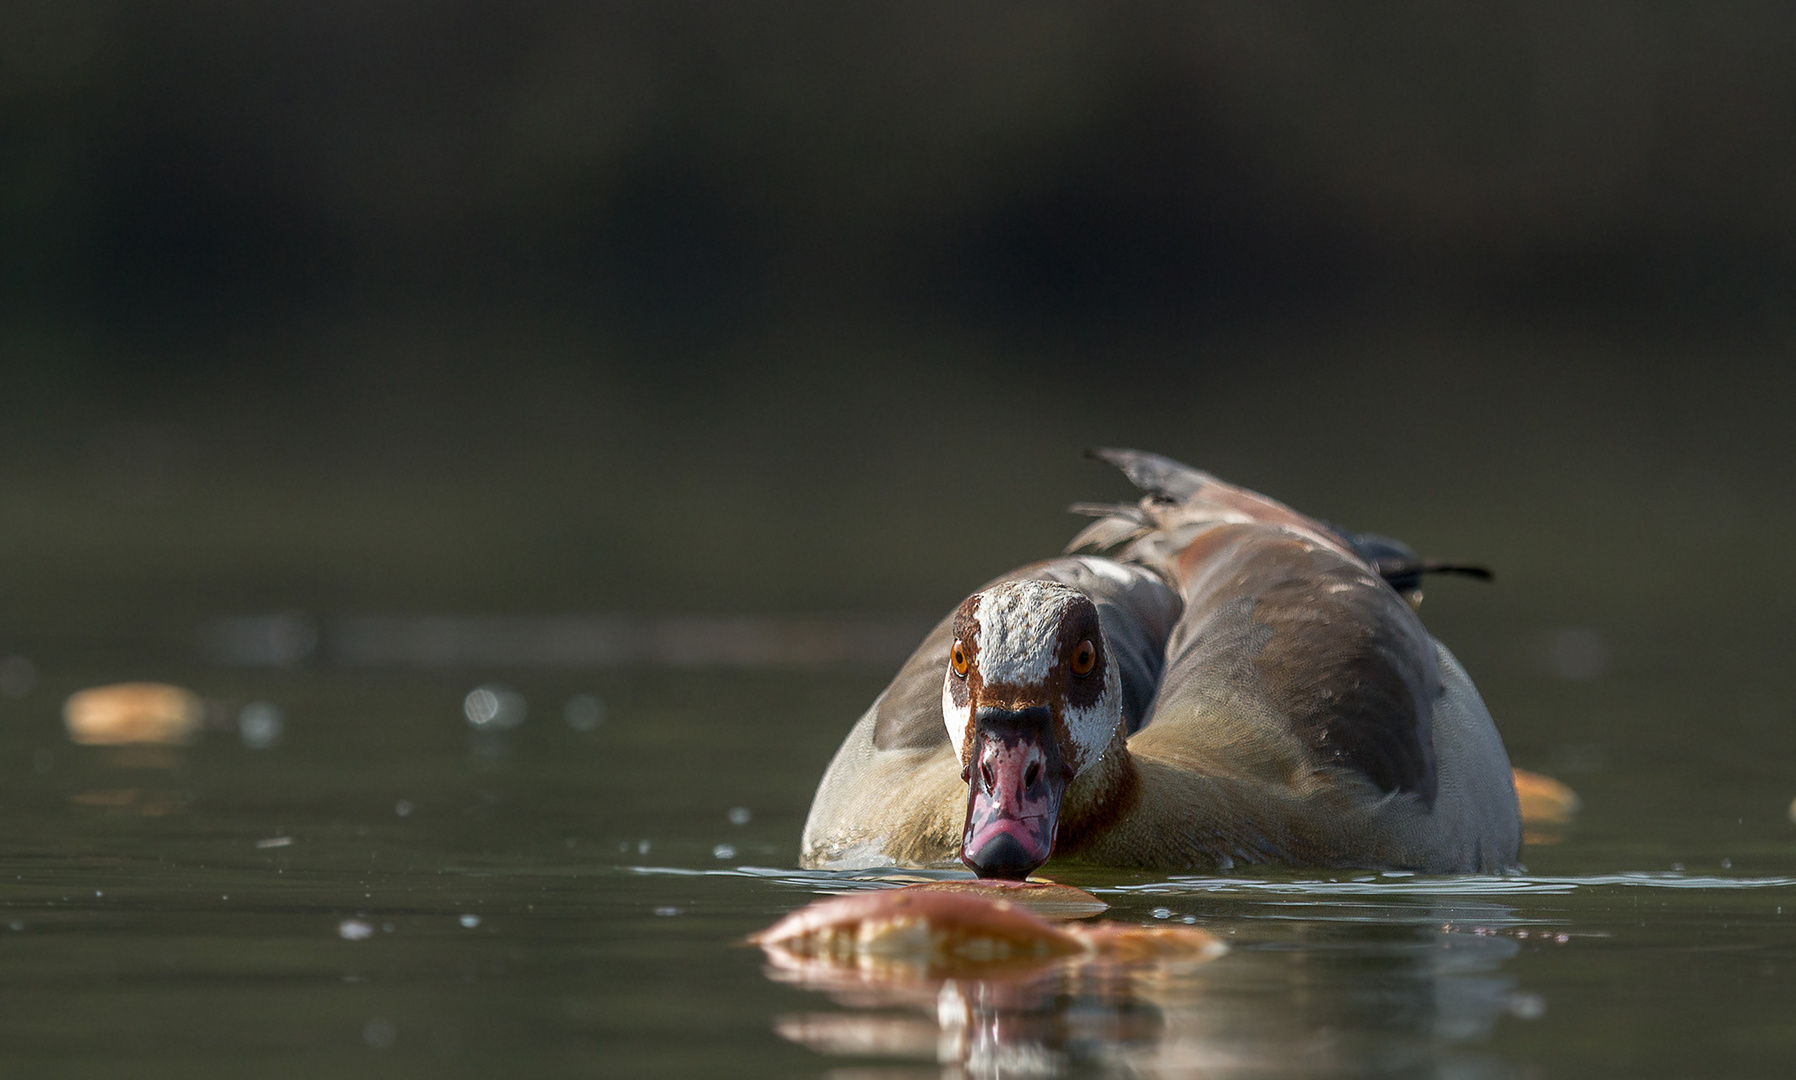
797 308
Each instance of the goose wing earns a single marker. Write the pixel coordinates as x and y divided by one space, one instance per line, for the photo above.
1289 635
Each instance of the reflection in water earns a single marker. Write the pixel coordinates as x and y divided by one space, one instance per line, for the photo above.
142 757
1404 987
1027 1022
142 801
147 802
138 724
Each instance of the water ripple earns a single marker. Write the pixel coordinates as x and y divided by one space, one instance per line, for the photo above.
817 880
1469 885
1389 884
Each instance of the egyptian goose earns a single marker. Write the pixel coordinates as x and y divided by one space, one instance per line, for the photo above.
1204 679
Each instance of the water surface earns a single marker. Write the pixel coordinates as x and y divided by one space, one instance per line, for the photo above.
382 887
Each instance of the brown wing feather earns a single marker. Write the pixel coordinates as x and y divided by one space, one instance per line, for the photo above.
1343 663
1322 647
909 716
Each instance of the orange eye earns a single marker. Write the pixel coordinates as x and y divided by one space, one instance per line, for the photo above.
1085 657
958 660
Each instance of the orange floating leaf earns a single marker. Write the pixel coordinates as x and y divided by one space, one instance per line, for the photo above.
1121 943
132 713
939 929
1544 800
1049 899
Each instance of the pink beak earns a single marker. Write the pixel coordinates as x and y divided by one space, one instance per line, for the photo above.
1013 801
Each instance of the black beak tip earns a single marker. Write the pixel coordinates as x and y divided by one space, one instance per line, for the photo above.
1002 857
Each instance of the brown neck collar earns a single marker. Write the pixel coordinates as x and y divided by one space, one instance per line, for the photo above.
1097 797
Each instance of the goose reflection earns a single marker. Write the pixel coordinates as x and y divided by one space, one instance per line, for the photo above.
1406 988
986 1026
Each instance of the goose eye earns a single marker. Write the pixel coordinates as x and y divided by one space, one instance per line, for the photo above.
1085 657
958 660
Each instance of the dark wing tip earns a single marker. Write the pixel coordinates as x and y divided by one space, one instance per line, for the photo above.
1406 574
1152 473
1471 570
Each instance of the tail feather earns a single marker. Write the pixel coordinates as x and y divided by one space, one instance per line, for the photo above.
1399 564
1099 510
1154 474
1180 496
1114 530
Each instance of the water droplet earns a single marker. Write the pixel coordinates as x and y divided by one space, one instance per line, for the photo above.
470 921
354 930
584 712
403 808
259 725
1527 1006
642 847
1727 864
1189 920
494 706
1162 913
739 815
723 851
380 1034
667 911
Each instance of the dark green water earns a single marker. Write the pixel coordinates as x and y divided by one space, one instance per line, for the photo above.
387 890
709 310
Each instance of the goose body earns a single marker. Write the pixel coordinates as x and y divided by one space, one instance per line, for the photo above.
1204 679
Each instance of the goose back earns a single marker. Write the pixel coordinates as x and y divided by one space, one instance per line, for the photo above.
1282 702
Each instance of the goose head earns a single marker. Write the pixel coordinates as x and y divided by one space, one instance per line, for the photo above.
1031 700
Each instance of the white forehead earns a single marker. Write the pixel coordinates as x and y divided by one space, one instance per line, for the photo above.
1019 623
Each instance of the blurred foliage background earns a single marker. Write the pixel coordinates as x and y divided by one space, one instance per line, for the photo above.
796 307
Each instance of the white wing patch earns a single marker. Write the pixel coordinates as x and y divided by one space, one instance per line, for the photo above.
1111 570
